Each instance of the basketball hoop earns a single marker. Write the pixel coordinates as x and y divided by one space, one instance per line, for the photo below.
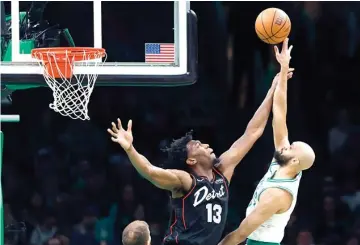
71 91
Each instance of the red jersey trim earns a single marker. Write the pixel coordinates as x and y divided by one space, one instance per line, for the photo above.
183 201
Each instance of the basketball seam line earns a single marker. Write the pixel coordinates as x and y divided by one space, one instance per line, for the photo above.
263 39
282 36
262 23
279 29
258 32
282 26
272 23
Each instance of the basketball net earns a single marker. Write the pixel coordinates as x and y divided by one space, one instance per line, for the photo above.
71 91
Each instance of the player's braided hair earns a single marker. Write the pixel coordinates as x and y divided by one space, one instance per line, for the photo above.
177 152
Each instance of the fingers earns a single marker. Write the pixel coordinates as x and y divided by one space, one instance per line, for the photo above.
291 47
276 50
129 126
291 69
114 128
111 132
119 123
289 51
285 45
113 139
290 75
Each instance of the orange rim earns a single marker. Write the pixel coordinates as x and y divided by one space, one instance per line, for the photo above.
61 52
60 63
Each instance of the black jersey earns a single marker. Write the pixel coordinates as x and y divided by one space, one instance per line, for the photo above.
199 217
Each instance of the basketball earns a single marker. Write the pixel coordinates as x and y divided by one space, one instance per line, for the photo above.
272 25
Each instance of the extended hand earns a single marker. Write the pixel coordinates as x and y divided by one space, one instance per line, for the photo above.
121 136
284 57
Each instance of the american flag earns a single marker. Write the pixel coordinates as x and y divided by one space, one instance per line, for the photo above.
159 53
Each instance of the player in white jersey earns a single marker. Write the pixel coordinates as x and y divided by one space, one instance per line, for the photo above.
275 196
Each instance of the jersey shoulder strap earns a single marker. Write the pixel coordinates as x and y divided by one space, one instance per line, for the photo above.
219 173
289 185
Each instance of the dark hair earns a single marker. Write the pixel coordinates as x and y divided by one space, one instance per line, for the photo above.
177 152
136 233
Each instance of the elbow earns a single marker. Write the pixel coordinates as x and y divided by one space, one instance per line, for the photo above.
150 173
243 235
240 236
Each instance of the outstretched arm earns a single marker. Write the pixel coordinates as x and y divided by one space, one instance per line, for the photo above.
162 178
255 128
280 98
272 201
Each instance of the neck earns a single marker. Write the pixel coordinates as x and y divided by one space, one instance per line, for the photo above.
206 173
286 173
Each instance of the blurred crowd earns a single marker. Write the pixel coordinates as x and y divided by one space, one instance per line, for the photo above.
65 183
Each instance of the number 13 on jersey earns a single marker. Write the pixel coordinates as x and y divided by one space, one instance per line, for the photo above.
213 213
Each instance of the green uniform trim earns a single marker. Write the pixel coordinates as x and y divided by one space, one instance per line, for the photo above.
253 242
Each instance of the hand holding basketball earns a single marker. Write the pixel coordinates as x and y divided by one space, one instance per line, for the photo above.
120 135
285 56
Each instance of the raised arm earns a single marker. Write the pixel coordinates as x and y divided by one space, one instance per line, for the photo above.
255 128
280 98
162 178
272 201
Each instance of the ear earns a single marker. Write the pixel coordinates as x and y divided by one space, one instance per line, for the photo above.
191 161
295 161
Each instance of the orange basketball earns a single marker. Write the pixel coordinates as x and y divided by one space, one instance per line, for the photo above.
272 25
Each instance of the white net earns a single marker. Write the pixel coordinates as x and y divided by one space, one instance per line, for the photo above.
71 95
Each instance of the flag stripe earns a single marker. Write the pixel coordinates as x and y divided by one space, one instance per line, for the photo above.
159 53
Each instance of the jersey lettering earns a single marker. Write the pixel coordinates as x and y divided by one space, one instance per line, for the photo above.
203 194
256 193
213 213
203 213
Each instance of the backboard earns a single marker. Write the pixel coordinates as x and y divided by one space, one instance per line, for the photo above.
147 43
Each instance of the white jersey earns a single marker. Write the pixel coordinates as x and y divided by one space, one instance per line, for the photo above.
272 230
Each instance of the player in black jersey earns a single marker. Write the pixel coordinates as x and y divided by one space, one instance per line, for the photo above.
197 179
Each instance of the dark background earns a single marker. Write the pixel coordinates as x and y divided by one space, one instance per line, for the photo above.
65 179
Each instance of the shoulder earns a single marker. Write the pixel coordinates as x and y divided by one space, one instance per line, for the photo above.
276 196
180 173
186 179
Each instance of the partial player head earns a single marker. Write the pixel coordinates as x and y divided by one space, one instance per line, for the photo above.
298 154
136 233
185 153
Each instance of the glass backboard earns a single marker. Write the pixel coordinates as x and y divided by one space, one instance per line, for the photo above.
147 43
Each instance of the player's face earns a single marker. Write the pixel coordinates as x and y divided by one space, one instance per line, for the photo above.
293 153
284 155
202 153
